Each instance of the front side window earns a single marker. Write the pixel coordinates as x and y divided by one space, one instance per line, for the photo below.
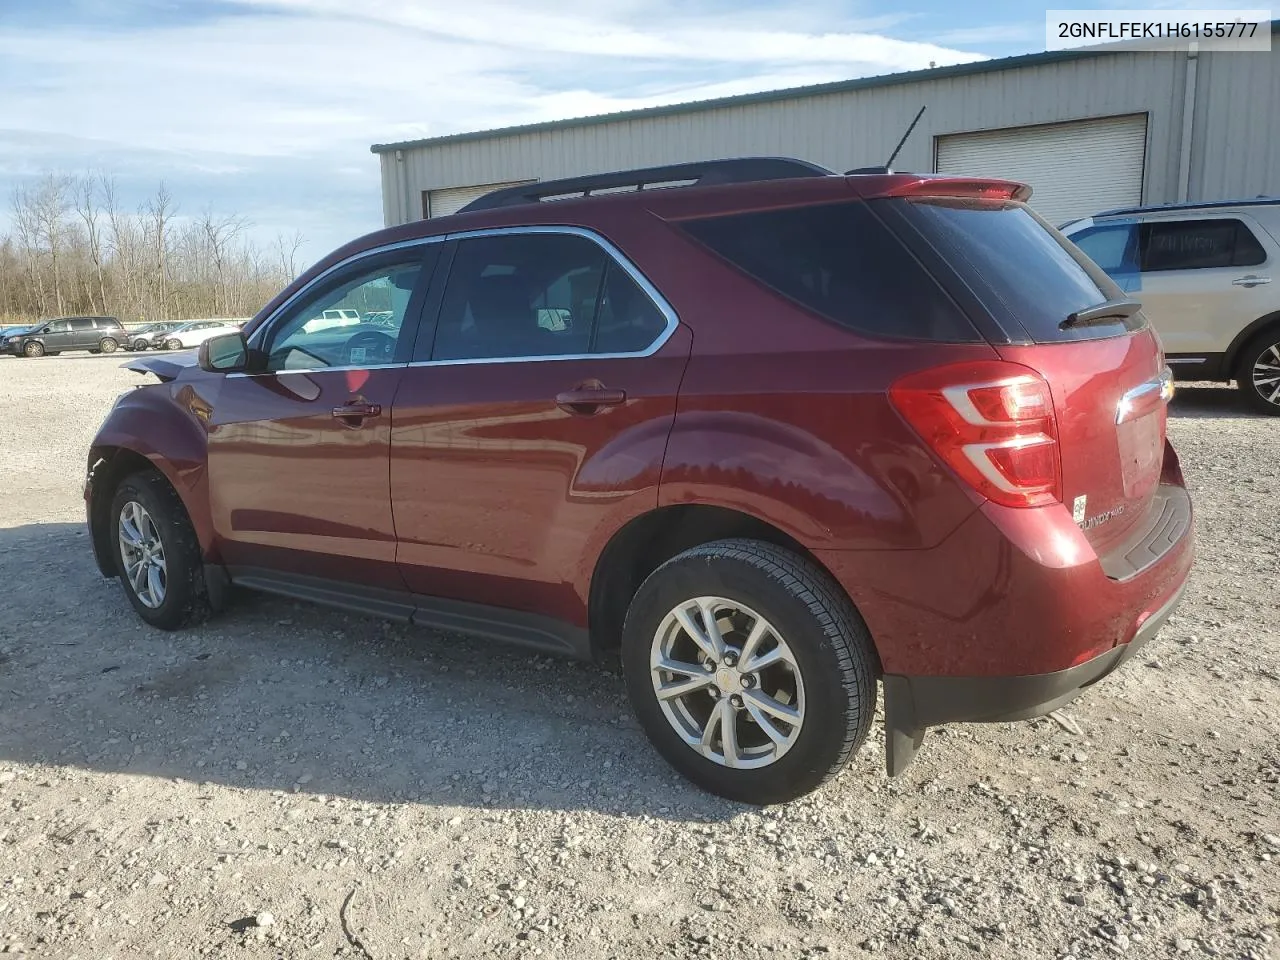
313 335
526 295
1199 245
1113 247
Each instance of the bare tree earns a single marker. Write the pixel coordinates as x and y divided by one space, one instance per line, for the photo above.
72 247
158 212
86 204
50 205
288 248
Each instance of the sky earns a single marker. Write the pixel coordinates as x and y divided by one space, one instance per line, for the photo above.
267 108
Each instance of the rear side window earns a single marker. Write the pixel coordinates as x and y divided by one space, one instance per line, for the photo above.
81 325
541 294
1199 245
841 262
1023 272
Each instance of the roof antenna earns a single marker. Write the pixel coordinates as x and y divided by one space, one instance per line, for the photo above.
888 164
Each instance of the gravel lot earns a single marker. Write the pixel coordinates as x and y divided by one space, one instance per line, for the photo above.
288 781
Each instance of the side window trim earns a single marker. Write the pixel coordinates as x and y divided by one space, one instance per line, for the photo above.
615 257
435 280
413 311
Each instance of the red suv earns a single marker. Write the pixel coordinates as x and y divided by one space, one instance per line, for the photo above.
774 433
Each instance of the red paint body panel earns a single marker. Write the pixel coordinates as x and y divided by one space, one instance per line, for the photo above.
1012 592
292 485
1110 465
501 497
163 422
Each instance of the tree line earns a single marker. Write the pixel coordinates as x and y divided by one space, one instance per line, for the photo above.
73 248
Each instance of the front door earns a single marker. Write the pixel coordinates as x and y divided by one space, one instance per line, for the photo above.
535 420
298 448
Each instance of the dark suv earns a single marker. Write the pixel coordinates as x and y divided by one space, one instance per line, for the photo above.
95 334
773 433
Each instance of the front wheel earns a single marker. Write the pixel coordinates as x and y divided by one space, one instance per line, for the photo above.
1258 373
173 344
749 669
33 349
157 553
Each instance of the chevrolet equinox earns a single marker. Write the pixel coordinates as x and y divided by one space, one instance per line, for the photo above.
772 433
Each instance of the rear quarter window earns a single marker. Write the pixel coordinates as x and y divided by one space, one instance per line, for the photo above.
1022 270
841 262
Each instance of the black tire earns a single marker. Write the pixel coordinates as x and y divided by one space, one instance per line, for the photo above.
1264 348
827 637
33 349
107 345
186 599
173 344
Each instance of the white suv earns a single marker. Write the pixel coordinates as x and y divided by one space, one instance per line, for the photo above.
1208 276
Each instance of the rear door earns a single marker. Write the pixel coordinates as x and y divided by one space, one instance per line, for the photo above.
1106 377
84 336
534 419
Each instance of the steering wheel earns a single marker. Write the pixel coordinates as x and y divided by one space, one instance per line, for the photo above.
370 347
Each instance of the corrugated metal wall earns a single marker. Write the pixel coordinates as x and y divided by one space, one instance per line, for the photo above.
1234 153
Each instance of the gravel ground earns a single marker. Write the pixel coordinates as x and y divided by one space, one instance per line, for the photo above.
292 782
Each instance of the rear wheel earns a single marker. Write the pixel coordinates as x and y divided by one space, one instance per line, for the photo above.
157 553
107 345
173 343
749 669
33 349
1258 372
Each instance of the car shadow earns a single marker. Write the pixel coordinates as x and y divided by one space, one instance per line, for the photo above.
1210 400
278 695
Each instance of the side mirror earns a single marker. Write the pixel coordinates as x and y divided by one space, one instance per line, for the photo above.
225 353
46 330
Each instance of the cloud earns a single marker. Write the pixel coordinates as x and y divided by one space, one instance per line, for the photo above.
267 107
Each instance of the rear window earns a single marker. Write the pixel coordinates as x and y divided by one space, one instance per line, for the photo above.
1019 268
841 262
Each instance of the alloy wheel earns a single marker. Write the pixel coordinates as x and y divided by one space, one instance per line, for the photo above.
727 682
1266 374
142 555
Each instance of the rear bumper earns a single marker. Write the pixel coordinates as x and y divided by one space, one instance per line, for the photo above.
913 704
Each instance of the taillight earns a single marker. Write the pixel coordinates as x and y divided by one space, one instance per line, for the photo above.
993 423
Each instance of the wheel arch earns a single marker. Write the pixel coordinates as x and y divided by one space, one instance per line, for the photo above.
649 540
1244 338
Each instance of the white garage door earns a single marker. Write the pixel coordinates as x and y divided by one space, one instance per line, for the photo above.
1075 169
441 203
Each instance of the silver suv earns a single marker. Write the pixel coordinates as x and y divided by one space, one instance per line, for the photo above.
1204 273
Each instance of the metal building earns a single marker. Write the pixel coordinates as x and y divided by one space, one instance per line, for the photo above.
1087 129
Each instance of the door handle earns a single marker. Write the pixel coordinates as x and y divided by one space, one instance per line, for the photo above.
1252 280
357 410
589 398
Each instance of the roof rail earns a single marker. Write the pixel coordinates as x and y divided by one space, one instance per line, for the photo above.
1258 201
702 174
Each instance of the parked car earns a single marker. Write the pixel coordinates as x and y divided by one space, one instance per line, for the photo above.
326 319
187 335
142 337
95 334
795 433
1204 273
9 333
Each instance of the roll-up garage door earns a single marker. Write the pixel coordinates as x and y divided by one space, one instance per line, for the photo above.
440 203
1075 169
